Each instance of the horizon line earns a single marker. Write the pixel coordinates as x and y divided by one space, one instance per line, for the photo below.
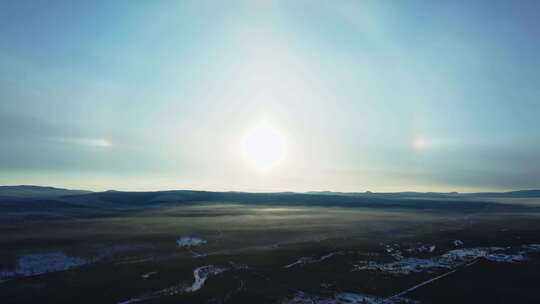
270 192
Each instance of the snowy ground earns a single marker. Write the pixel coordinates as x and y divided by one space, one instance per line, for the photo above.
449 260
40 263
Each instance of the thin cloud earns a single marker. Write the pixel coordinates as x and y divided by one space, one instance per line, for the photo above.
82 141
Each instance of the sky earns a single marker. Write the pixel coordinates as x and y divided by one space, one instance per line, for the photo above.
335 95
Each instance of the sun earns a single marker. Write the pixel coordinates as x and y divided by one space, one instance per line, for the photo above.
264 147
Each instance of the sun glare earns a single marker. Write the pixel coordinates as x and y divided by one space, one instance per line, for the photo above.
264 147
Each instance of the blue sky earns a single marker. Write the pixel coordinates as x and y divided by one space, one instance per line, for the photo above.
365 95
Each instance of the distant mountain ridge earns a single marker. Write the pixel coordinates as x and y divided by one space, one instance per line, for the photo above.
30 191
412 194
517 193
111 203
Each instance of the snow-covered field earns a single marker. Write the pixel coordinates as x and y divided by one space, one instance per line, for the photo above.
40 263
36 263
449 260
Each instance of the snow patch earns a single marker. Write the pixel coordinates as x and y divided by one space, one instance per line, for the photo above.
134 300
309 260
148 275
190 241
36 264
301 261
458 243
450 260
422 249
201 274
341 298
394 251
